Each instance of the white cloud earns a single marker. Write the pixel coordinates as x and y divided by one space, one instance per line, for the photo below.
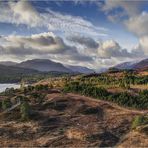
95 54
143 45
41 45
72 24
111 48
22 12
38 43
138 24
130 8
136 21
83 41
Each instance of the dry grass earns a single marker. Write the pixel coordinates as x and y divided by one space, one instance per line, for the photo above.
67 120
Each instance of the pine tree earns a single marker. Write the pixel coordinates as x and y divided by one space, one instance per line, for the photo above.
25 111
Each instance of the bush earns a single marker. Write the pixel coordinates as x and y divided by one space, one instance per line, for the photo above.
25 111
9 91
6 104
41 87
38 98
86 89
138 121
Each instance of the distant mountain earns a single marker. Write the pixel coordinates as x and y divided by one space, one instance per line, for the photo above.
80 69
12 70
133 65
8 63
125 65
143 65
43 65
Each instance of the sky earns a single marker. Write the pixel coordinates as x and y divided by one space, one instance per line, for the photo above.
92 33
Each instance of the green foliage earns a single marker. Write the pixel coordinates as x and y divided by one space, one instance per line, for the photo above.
124 98
31 77
86 89
41 87
25 111
38 97
9 91
139 120
6 104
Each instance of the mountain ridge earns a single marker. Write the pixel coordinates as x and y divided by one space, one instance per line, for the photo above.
138 65
47 65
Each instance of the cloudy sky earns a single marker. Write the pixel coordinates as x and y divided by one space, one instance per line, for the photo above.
95 33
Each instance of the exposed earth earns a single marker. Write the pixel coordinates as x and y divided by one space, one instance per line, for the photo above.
70 120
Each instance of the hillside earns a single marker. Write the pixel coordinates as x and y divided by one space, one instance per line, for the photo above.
80 69
66 120
13 70
141 65
125 65
8 63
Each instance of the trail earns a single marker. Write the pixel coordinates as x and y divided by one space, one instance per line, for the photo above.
85 98
11 108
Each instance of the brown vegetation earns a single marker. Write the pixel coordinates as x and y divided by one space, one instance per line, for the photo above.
67 120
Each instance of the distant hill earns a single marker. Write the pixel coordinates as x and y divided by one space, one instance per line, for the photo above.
141 65
8 63
43 65
125 65
12 70
80 69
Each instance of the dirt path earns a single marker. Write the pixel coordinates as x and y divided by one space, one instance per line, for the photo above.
89 99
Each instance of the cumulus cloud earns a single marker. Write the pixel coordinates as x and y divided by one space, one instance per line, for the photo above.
20 12
41 45
138 24
83 40
38 43
131 15
142 47
47 45
111 48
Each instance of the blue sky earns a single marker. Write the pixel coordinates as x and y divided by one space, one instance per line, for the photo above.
96 34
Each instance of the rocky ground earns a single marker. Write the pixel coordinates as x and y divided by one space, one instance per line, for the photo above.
69 120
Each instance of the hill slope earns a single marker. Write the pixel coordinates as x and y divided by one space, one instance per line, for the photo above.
80 69
133 65
12 70
8 63
43 65
141 65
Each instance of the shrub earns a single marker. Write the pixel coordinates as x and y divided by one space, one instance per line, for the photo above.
38 98
41 87
139 120
86 89
6 104
125 99
25 111
9 91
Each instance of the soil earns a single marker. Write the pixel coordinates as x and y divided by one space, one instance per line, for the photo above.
68 120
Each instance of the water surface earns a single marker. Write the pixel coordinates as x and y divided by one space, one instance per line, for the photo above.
4 86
